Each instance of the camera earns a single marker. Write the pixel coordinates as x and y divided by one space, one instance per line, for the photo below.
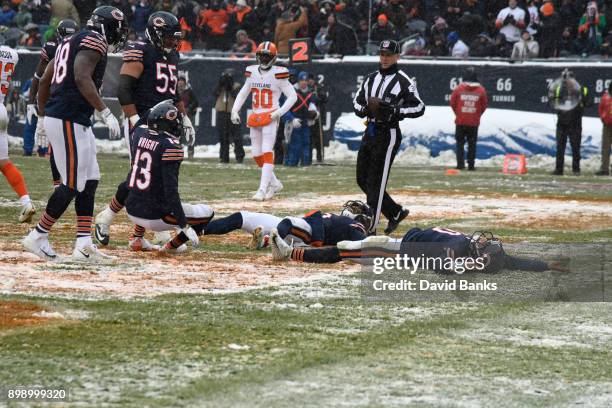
227 80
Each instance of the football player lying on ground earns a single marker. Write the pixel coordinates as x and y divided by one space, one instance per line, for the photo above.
433 243
153 202
314 228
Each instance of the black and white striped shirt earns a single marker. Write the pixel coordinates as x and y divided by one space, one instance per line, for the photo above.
393 86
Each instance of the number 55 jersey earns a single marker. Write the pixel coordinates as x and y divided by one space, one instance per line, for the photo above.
159 76
66 101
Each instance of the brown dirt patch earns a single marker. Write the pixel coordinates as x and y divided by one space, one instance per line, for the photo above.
15 314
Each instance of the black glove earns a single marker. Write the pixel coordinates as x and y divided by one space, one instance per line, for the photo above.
387 112
509 19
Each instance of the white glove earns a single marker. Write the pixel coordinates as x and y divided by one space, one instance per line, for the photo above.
113 124
275 115
288 130
133 120
235 118
41 134
31 111
296 123
190 133
191 234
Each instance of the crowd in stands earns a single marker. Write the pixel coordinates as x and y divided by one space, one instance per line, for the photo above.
516 29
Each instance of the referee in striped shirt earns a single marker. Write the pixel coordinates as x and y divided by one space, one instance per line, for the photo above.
385 97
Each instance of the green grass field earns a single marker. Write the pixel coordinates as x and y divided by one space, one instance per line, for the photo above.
225 327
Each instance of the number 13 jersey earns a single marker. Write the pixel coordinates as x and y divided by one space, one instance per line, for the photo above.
266 86
159 76
66 101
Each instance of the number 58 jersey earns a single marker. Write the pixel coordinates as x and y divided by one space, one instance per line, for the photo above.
266 86
66 101
8 60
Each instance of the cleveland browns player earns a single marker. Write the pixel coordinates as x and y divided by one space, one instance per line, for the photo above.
154 202
149 75
8 61
265 82
67 97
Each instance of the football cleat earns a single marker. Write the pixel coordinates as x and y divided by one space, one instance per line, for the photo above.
39 246
280 249
273 188
168 248
161 237
90 253
102 229
257 238
395 221
138 244
260 195
27 211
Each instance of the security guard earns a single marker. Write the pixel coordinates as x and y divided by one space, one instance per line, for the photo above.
385 97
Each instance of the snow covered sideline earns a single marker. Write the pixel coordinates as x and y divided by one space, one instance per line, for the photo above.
501 131
430 141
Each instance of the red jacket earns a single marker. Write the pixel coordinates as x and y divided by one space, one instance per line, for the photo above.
469 101
605 109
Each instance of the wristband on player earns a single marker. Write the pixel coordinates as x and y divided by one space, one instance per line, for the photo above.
134 119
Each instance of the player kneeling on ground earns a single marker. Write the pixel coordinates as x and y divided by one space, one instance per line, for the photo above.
154 202
432 243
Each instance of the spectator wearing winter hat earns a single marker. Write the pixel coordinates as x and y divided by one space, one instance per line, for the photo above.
287 28
240 18
243 44
468 101
526 48
590 29
510 21
297 118
382 29
457 47
482 46
213 23
550 29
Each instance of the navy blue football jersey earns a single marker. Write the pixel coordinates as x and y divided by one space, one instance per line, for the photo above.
153 180
66 101
436 242
329 229
48 51
159 77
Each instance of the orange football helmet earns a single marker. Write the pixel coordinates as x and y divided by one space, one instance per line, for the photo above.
266 54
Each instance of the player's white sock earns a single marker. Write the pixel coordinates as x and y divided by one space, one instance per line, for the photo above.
24 199
267 174
83 241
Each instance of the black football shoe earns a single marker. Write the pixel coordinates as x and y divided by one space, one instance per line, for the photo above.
395 221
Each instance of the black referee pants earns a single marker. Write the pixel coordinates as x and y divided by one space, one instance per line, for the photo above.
374 162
